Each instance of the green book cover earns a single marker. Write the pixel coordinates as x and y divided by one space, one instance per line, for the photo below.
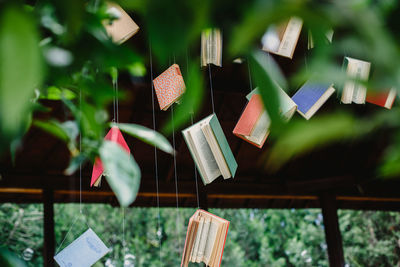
223 144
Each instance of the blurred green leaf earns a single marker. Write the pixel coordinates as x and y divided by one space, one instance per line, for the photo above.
123 173
147 135
20 70
191 100
75 163
55 93
9 259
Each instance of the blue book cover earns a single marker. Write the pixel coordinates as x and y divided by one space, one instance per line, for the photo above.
311 96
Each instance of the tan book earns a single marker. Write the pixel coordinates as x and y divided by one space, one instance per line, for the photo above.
122 27
205 239
282 39
354 91
211 47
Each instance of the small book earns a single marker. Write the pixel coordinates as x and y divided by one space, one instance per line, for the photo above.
169 86
282 39
384 98
122 27
311 96
114 135
211 47
205 239
210 149
353 91
253 125
85 251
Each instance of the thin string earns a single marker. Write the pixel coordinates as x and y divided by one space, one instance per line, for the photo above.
176 181
248 68
211 88
191 119
155 156
69 230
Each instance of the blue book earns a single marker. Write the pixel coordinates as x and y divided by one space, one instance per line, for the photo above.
311 96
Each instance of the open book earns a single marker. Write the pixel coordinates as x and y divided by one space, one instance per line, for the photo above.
210 149
205 239
311 96
383 98
282 39
354 91
169 86
122 27
211 47
253 125
114 135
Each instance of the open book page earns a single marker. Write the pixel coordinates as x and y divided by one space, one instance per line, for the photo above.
203 239
260 130
361 72
189 243
211 241
348 88
290 38
216 150
193 255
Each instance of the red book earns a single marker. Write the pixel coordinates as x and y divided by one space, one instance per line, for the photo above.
253 124
205 239
114 135
383 99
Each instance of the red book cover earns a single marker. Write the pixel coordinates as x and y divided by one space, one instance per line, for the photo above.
384 99
249 118
114 135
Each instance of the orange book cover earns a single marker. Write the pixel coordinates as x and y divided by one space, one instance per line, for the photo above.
249 118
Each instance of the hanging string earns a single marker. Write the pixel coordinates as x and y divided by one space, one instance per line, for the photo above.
248 68
176 181
211 88
155 154
191 119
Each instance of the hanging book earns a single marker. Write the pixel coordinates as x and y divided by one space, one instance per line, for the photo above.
253 125
282 39
169 86
311 96
354 91
211 47
384 98
114 135
205 239
210 149
122 27
85 251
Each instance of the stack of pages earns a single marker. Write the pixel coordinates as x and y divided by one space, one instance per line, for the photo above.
122 27
211 47
354 91
169 86
114 135
253 125
210 149
282 39
205 239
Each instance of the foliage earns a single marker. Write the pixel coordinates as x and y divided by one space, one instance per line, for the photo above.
255 237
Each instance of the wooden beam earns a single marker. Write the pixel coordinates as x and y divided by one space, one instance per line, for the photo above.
332 232
49 238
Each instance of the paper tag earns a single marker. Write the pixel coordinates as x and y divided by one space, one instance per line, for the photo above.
86 250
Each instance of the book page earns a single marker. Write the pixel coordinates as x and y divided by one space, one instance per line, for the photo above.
361 73
195 249
261 129
203 239
290 38
211 241
205 154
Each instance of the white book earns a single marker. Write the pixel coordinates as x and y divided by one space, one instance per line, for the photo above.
354 91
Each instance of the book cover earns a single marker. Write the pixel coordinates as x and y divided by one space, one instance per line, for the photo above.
113 135
311 96
223 144
85 251
169 86
123 27
384 98
211 47
249 118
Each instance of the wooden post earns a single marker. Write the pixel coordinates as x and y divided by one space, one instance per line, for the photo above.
49 237
332 232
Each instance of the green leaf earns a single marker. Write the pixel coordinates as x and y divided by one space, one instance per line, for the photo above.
9 259
147 135
20 70
75 163
123 173
55 93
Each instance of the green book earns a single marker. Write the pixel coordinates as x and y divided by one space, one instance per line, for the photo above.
210 149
